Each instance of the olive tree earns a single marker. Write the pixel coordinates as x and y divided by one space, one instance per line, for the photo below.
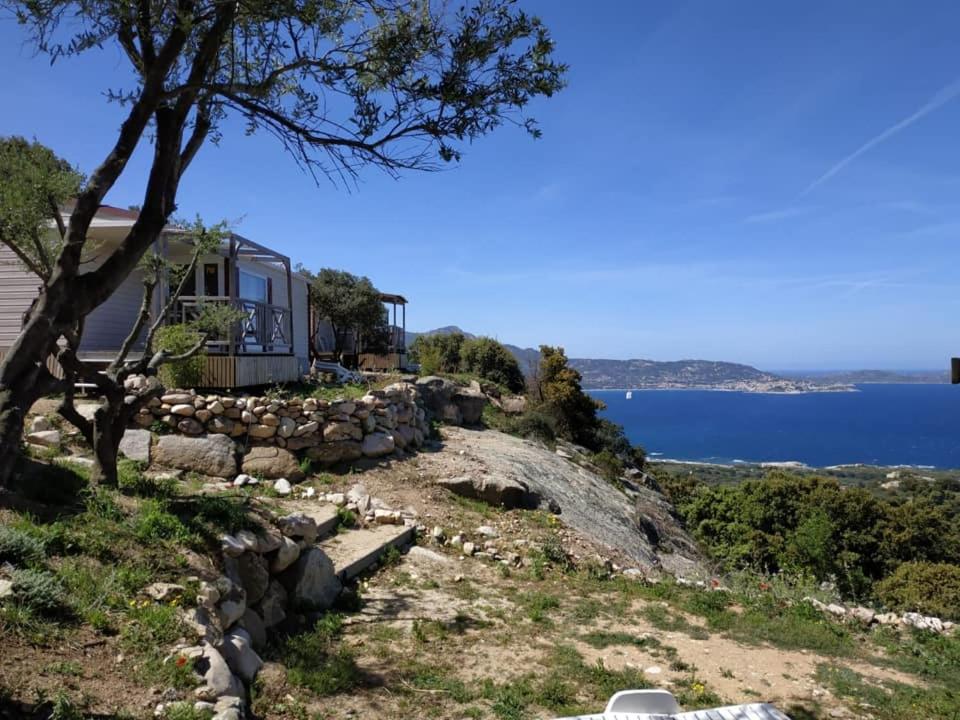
351 304
341 84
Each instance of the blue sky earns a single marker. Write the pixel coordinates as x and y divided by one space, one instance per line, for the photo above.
749 181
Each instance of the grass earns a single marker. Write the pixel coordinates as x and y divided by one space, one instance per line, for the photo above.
537 605
317 662
891 700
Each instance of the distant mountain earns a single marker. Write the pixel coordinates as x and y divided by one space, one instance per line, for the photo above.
873 376
640 374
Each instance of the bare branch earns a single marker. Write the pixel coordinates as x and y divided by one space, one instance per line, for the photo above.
149 283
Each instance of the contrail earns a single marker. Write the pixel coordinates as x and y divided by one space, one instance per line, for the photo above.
937 101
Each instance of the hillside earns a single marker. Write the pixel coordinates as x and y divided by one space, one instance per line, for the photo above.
600 374
874 376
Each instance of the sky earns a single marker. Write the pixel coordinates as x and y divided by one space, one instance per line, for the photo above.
769 183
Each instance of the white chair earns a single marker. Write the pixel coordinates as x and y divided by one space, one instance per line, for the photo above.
645 702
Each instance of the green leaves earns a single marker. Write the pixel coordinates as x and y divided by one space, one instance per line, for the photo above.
34 185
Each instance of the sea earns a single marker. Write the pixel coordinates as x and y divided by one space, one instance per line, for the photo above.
888 425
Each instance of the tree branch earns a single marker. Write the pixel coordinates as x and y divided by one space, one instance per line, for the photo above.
148 287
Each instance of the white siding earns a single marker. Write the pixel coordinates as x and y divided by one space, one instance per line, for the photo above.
18 288
300 320
110 323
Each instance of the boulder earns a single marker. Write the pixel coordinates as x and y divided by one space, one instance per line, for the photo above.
378 444
272 463
218 680
470 402
189 426
286 555
863 614
273 606
251 573
298 525
313 581
46 438
253 624
513 404
210 455
330 453
237 650
497 490
232 603
282 487
135 444
40 424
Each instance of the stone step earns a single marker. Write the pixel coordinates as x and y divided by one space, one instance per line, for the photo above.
353 551
324 515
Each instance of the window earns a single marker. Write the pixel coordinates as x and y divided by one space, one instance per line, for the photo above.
252 287
211 279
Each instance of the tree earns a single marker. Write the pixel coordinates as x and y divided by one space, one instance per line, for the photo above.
351 304
397 84
437 353
559 392
490 360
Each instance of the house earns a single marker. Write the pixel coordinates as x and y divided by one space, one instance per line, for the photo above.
389 353
269 345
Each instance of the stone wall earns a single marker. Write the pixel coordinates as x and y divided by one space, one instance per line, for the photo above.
325 431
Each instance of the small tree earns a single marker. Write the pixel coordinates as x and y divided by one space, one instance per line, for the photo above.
492 361
351 304
559 392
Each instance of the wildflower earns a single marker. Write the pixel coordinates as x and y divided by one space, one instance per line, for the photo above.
764 586
698 688
714 583
181 660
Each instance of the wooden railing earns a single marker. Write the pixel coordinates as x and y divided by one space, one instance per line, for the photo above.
263 328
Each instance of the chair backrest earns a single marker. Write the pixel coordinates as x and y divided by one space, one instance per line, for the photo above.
643 701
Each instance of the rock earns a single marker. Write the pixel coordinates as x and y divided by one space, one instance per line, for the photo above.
438 534
341 431
233 602
237 650
358 496
189 426
269 540
470 402
208 595
46 438
161 591
888 618
922 622
135 444
212 455
6 588
488 531
497 490
244 479
231 546
514 404
287 427
298 525
252 575
387 517
329 453
261 431
248 540
273 606
216 407
282 487
220 425
40 424
218 680
253 624
469 548
863 614
838 610
378 444
176 398
270 420
313 581
272 463
184 409
286 555
338 499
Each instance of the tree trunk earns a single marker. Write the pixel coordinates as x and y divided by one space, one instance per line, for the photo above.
12 411
106 447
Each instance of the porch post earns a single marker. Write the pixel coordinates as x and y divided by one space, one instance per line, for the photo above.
286 264
234 281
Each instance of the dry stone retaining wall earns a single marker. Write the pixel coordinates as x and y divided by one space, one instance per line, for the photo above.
274 429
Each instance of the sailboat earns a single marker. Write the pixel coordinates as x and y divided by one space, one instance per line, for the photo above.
629 394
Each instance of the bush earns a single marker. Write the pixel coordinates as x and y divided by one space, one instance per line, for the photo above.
438 353
178 339
19 548
492 361
38 591
533 424
314 660
924 587
610 466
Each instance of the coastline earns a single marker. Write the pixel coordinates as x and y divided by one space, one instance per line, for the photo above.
796 465
713 388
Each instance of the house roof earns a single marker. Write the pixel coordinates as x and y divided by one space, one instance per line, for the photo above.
391 298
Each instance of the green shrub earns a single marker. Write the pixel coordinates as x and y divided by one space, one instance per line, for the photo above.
492 361
19 548
535 424
154 522
315 661
38 591
928 588
178 339
439 353
610 466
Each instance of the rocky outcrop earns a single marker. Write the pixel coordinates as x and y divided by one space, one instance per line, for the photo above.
641 527
497 490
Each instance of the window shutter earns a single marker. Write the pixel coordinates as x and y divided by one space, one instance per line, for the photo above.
226 277
269 291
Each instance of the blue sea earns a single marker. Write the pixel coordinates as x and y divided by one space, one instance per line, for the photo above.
879 425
